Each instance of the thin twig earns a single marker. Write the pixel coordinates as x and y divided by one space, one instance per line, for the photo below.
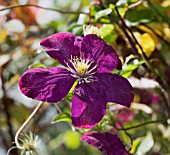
41 7
136 41
122 26
150 67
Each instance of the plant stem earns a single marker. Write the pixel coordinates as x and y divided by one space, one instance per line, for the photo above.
25 123
131 38
150 67
122 26
58 108
60 111
41 7
142 124
158 12
130 31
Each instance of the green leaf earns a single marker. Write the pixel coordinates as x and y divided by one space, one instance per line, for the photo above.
36 65
139 16
76 29
106 29
128 70
108 33
146 144
64 117
103 13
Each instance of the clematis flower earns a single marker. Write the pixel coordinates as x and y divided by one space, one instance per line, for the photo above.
105 142
89 61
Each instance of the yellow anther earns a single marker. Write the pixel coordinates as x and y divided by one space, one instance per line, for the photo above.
81 69
80 65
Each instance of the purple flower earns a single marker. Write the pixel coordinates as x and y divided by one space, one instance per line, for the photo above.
105 142
90 61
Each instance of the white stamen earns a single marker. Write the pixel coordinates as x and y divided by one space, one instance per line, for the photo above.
79 69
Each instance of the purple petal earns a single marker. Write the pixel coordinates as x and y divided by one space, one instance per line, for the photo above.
61 46
93 47
88 105
46 84
117 88
105 142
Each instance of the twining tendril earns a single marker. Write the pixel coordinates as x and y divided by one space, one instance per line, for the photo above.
24 124
28 142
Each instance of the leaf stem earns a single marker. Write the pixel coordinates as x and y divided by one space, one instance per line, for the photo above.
41 7
25 123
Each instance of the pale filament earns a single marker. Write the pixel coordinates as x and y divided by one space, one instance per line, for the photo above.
80 70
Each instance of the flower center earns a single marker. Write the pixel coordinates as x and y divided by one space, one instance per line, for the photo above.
82 69
81 66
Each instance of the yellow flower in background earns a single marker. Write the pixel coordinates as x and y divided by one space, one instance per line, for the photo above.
147 43
3 35
157 30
